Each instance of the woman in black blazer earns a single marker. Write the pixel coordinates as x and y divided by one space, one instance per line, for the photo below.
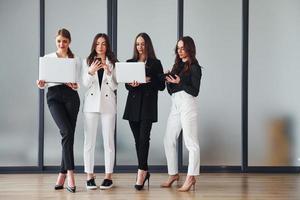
141 104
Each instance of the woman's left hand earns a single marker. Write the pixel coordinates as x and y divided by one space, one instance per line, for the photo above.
106 68
73 86
170 79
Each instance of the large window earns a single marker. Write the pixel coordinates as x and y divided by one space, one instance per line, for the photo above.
159 20
274 111
216 29
215 26
83 24
19 105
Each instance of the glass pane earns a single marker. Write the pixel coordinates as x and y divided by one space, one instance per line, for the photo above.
18 74
84 20
162 28
216 28
274 111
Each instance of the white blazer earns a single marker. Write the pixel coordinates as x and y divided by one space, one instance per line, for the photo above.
96 100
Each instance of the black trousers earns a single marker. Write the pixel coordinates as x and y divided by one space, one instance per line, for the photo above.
63 103
141 132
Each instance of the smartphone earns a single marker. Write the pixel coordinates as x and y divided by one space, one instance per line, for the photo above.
170 74
99 59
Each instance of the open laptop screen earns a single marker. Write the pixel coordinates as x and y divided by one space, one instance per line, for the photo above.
57 70
127 72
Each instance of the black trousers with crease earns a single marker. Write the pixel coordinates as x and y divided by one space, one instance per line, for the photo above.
141 132
63 103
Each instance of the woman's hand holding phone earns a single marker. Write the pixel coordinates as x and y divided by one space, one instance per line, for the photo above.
172 78
95 66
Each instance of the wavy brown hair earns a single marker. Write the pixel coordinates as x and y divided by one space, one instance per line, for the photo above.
111 56
190 49
149 50
65 33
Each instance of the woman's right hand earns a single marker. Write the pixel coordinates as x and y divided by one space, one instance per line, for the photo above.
40 84
95 66
134 84
73 86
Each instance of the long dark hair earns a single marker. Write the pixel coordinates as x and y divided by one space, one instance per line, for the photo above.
149 50
65 33
111 56
190 49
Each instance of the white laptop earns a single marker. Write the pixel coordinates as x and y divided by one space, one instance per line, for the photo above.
127 72
57 70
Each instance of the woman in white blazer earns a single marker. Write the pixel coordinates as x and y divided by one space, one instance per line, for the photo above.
63 102
98 76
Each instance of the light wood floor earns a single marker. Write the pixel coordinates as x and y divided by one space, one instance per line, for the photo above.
212 186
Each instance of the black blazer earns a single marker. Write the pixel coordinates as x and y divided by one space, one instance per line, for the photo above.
141 101
190 83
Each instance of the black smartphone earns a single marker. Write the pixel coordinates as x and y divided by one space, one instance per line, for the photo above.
99 59
170 74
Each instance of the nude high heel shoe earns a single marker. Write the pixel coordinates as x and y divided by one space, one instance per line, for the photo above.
170 181
188 186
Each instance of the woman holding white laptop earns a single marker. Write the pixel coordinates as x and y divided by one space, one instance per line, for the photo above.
63 102
141 104
98 76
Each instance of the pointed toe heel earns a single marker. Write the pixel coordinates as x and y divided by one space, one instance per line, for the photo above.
170 182
58 187
71 189
140 187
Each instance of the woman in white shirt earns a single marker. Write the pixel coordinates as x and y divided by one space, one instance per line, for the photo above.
98 76
63 102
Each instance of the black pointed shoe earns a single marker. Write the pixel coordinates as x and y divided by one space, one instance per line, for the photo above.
71 189
90 184
58 187
140 187
106 184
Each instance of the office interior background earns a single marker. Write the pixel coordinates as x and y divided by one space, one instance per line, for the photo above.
249 96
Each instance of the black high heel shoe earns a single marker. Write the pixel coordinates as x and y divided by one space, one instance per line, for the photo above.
60 187
140 187
71 189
